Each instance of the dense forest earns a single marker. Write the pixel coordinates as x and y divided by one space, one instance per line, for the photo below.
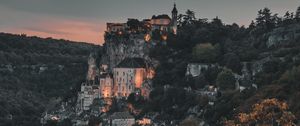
270 40
36 74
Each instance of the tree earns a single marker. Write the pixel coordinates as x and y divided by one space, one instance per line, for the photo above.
291 76
297 16
133 24
265 19
217 22
266 112
252 25
287 18
188 18
191 121
206 53
232 61
226 80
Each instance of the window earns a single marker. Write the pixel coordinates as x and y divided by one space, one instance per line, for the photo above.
123 73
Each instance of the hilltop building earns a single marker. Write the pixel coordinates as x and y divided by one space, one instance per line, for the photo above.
174 19
116 27
162 23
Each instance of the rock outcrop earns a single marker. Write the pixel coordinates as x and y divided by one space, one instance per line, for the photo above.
283 35
118 49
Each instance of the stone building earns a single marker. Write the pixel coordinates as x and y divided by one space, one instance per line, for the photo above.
106 85
128 76
121 119
86 96
174 19
131 75
162 23
115 27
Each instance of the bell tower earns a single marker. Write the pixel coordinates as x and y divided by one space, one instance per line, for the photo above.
174 19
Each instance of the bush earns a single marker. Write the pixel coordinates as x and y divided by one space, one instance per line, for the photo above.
226 80
205 53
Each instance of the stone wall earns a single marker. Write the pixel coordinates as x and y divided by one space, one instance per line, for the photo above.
118 49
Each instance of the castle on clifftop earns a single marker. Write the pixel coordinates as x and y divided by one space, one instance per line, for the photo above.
160 23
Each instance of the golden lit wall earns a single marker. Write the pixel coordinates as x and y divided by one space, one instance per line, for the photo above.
150 73
139 77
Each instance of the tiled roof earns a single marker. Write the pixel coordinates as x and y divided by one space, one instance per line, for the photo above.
121 115
164 16
132 63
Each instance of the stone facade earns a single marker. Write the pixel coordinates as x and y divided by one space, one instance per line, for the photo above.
116 27
196 69
122 119
106 85
129 76
86 96
161 22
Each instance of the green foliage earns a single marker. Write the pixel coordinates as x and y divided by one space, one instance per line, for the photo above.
291 76
173 101
34 70
232 61
133 24
230 46
205 53
226 80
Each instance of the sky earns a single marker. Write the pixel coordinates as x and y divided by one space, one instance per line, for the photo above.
85 20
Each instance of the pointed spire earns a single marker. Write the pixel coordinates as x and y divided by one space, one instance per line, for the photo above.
174 8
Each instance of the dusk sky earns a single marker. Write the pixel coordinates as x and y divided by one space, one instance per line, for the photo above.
85 20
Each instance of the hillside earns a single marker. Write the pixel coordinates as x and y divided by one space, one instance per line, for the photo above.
37 73
263 59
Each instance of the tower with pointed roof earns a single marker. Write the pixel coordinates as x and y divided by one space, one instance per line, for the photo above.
174 19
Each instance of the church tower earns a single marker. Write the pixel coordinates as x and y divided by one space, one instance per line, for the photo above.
174 19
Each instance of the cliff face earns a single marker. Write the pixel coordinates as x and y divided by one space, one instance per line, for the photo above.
118 49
